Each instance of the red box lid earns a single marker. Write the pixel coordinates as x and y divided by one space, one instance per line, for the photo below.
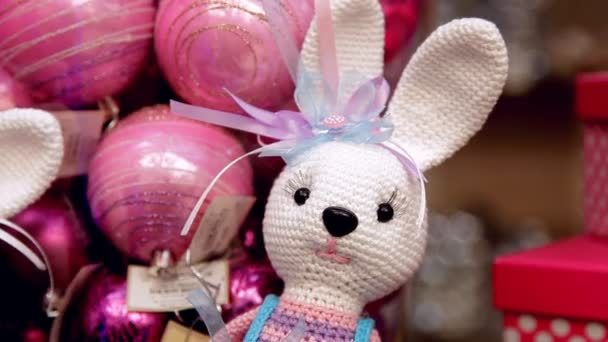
567 278
592 96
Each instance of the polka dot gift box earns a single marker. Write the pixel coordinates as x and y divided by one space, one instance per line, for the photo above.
592 108
555 293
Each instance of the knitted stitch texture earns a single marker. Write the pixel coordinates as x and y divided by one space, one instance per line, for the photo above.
447 90
31 149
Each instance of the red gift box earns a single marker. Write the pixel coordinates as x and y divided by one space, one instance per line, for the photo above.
555 293
592 108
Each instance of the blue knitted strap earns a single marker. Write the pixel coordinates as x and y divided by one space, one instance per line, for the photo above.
365 328
266 309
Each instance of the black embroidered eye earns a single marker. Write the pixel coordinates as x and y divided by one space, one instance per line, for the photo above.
301 195
385 212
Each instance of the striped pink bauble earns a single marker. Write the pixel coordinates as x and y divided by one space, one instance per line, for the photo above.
75 52
148 172
206 46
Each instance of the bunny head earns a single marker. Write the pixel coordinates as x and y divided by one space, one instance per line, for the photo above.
341 224
31 150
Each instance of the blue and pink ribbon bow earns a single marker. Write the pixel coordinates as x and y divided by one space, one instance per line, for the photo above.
347 108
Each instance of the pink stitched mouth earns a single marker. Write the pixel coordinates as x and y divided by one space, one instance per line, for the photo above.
330 253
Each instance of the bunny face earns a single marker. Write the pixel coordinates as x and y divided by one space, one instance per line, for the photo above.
344 216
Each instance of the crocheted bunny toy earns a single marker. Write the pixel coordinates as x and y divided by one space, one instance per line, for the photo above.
342 222
31 150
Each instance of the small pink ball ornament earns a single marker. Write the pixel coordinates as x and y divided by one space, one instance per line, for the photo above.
98 312
148 173
75 52
205 46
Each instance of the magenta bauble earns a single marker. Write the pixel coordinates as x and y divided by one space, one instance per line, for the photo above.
149 171
205 46
250 282
53 223
102 315
12 93
75 52
400 21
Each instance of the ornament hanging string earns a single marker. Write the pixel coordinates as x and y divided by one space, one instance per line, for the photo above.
42 264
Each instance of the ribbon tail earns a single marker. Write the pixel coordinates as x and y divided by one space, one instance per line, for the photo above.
208 312
266 117
229 120
327 44
283 37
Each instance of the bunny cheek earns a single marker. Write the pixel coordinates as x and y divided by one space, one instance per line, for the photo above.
333 236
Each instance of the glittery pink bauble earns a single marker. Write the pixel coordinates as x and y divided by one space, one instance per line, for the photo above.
35 334
149 171
400 21
54 225
75 52
250 282
12 93
103 314
205 46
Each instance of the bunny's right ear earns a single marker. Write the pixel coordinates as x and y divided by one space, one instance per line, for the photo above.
31 151
448 89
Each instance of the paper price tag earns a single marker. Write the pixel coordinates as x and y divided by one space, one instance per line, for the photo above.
149 293
219 225
81 131
175 332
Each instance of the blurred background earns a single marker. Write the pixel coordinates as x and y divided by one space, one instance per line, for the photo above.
519 183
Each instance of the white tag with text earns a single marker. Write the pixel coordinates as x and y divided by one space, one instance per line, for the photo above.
219 225
149 293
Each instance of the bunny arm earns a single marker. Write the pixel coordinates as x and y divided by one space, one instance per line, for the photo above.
239 326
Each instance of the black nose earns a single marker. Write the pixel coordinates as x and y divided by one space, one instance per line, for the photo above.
339 221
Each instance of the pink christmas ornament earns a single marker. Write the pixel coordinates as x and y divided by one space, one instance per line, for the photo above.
400 21
35 334
75 52
148 173
12 93
54 225
102 315
205 46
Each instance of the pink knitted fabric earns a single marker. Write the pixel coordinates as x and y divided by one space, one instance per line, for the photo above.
322 324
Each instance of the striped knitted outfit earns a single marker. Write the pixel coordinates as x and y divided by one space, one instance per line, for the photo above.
277 318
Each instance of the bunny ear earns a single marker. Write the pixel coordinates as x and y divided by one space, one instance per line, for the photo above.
359 38
31 150
448 89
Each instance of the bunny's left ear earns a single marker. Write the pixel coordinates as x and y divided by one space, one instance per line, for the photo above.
359 38
31 151
448 89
